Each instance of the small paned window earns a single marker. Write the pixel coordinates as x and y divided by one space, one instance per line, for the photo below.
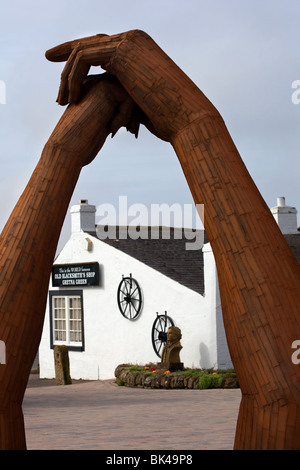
66 319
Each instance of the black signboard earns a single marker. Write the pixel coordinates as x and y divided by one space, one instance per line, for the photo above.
81 274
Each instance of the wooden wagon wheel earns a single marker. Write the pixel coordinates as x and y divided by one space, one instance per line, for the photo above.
159 332
129 298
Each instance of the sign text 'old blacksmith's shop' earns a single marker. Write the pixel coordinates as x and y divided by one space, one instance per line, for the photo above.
83 274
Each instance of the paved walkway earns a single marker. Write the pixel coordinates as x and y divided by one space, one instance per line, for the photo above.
101 415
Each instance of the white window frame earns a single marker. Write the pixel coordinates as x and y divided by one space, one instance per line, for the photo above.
67 296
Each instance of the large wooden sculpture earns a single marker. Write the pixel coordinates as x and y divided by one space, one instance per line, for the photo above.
259 276
28 241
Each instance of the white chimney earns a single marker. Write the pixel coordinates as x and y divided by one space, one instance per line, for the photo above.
285 216
83 217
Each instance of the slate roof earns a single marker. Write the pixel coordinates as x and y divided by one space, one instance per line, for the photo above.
167 255
293 241
170 257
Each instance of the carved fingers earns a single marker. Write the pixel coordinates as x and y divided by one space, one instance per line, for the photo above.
98 50
101 50
80 56
62 52
167 97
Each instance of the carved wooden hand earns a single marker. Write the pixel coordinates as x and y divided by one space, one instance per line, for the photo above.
151 78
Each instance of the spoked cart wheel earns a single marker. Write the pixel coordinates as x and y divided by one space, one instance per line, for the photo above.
159 332
129 298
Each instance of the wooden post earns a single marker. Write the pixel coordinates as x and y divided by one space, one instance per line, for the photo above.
62 365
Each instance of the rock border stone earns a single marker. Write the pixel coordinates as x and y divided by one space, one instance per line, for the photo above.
160 380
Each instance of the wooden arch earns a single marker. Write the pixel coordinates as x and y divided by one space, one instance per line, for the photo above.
258 275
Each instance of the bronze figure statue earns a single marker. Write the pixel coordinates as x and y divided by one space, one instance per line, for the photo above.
170 356
172 348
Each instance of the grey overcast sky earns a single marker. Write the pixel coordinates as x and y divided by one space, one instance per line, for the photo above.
243 54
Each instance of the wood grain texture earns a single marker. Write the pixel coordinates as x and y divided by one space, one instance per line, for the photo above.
259 282
259 276
28 243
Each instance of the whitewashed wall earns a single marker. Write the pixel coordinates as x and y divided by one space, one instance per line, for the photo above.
111 339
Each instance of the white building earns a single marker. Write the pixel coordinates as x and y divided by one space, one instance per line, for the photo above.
285 216
83 308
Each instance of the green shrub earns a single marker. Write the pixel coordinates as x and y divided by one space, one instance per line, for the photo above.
210 381
205 382
230 375
135 368
191 373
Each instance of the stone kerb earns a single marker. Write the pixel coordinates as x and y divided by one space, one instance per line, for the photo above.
161 380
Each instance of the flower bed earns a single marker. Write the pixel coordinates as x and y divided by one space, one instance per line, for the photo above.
150 376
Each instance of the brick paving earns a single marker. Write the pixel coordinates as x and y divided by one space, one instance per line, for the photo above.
100 415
